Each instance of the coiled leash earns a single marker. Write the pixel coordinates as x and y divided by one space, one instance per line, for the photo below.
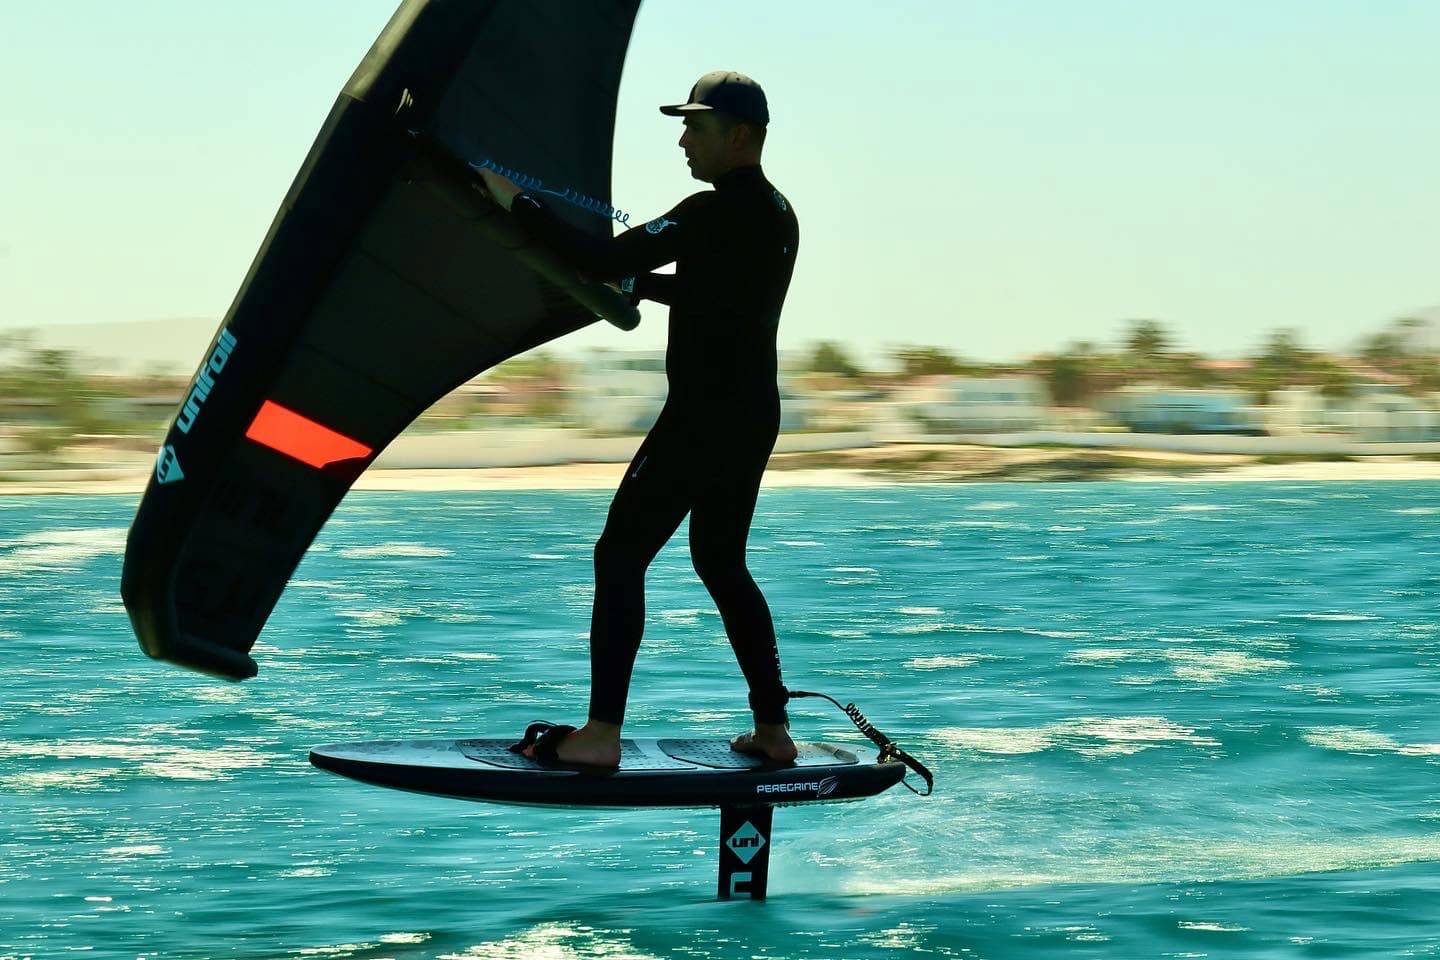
889 750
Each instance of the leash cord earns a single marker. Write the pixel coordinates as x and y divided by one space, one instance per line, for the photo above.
889 750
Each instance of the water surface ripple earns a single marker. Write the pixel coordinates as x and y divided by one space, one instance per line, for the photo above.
1167 720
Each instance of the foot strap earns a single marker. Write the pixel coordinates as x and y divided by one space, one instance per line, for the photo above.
543 739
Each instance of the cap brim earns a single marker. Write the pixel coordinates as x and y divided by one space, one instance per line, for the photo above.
680 109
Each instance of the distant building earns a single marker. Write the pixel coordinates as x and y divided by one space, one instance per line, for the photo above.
829 402
1374 413
29 412
622 392
977 404
619 392
1298 411
1154 409
1380 413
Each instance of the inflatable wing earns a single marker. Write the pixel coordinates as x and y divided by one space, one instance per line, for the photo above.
386 280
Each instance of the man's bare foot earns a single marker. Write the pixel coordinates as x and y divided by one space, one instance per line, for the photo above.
769 740
595 744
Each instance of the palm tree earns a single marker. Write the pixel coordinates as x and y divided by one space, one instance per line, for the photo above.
831 358
1147 338
927 361
1069 377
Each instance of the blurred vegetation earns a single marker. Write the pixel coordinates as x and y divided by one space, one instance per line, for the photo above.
43 389
831 358
50 400
1399 354
1403 353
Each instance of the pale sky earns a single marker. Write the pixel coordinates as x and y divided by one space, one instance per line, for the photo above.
992 178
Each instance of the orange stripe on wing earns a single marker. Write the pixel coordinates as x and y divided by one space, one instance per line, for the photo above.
282 429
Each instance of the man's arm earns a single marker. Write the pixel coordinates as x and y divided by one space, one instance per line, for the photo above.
659 287
631 254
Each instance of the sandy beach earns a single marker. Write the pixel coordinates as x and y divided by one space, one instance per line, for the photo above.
860 467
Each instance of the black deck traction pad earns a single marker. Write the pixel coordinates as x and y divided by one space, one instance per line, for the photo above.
497 754
684 754
717 754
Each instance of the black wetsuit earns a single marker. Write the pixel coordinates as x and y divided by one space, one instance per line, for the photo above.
734 251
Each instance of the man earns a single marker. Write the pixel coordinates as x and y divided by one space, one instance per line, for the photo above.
734 251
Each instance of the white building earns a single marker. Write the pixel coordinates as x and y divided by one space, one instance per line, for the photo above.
979 404
1169 410
622 392
1298 412
1376 413
1382 414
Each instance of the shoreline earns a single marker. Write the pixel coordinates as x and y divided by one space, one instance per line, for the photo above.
875 466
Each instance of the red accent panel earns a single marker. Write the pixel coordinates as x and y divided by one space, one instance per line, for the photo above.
300 437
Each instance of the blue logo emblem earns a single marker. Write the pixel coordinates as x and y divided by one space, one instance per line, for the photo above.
167 466
746 842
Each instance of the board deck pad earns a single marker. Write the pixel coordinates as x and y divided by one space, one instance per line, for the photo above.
718 755
653 773
497 753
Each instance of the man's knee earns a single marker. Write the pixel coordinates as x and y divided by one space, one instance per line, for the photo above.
721 572
619 557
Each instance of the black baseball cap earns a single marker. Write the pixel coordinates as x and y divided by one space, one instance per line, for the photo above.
727 92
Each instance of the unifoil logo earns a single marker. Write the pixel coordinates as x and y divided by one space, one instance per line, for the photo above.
659 224
167 466
746 842
205 380
780 202
820 788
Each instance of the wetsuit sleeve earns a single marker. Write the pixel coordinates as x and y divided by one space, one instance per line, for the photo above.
634 252
660 287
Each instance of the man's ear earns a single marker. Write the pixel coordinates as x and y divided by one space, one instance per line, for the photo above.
741 137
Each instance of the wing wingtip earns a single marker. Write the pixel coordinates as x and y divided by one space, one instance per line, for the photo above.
202 656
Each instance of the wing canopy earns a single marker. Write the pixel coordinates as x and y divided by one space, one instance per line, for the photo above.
385 281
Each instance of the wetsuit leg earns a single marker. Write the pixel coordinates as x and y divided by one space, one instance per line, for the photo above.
652 500
719 528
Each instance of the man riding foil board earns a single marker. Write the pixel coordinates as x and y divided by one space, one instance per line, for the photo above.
734 252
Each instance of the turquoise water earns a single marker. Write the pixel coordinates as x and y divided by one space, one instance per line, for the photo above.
1168 720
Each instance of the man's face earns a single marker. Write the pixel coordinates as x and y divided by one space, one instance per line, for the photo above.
706 142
